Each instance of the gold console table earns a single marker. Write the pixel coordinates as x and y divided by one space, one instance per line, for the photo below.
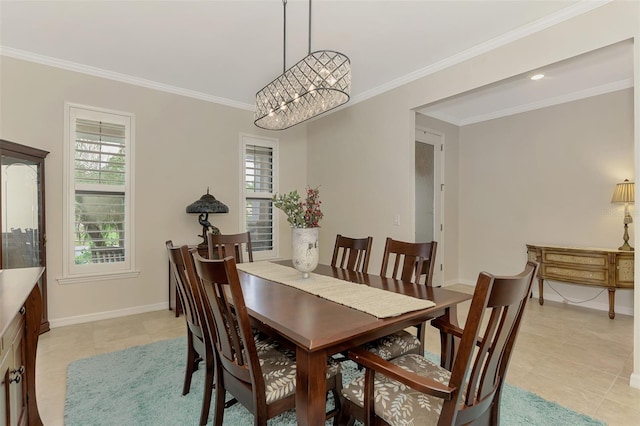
585 266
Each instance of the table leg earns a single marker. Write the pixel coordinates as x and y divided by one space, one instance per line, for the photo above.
311 387
612 302
540 294
448 344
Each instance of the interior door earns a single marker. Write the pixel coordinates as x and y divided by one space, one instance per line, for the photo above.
429 187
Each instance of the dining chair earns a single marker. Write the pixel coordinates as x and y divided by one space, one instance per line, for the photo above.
199 346
413 389
410 262
260 374
352 253
223 245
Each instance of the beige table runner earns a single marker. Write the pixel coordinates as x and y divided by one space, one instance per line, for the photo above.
373 301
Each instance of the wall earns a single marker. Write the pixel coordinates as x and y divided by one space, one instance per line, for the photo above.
370 176
183 146
363 155
546 177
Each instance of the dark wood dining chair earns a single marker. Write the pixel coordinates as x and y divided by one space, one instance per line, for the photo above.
407 262
259 373
223 245
412 389
352 253
199 346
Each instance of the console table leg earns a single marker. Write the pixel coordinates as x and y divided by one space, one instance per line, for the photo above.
612 302
540 295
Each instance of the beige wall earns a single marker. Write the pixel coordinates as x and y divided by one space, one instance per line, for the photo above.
363 155
183 146
371 143
545 177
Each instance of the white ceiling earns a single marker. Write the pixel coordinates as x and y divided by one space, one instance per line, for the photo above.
225 51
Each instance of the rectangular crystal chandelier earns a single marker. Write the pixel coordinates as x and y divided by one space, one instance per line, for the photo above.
316 84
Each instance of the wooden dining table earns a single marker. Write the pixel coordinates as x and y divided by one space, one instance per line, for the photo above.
319 328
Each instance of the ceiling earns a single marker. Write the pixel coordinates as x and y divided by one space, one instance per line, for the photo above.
225 51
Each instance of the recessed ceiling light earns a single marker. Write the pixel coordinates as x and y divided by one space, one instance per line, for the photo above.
537 77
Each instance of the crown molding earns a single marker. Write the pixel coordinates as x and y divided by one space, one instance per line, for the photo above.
569 97
123 78
565 14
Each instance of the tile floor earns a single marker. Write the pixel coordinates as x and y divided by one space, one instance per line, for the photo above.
575 356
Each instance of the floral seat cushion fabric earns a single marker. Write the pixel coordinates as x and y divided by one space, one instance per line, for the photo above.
394 345
398 404
278 366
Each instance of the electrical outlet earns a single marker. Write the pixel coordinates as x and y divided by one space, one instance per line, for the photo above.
396 219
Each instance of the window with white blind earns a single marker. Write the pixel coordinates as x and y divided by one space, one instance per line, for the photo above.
99 226
259 168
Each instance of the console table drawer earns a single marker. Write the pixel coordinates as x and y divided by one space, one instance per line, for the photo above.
595 260
597 277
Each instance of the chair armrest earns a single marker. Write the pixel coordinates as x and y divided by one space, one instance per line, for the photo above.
421 384
451 329
447 327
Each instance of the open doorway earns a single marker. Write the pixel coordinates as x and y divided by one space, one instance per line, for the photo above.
429 187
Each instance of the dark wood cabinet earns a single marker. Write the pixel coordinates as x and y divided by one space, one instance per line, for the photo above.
22 214
20 315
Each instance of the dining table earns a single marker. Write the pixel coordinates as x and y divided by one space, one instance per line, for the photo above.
318 327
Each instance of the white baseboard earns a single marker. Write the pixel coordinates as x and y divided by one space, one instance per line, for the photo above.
80 319
634 380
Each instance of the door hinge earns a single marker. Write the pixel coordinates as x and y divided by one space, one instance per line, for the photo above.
441 227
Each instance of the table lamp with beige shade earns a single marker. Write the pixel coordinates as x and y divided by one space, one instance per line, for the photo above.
625 193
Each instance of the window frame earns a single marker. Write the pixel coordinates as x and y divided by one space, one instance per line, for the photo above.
96 271
248 139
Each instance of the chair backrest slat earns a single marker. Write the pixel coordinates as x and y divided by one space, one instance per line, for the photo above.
224 245
185 291
351 253
410 260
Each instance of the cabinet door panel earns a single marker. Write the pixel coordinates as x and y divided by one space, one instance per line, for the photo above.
23 212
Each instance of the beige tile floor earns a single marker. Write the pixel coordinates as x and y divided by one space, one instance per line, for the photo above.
575 356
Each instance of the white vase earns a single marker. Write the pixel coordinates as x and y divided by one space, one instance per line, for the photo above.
304 242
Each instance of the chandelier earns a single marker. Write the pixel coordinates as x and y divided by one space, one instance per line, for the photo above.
316 84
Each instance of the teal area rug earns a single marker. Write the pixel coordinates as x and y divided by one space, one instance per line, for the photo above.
143 386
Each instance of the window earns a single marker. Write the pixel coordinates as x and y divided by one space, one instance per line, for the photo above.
98 154
259 185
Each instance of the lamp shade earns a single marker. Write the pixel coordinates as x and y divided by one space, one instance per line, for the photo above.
624 192
207 204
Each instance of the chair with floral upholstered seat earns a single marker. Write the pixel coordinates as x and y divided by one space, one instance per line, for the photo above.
236 245
260 374
412 389
410 262
199 346
352 253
